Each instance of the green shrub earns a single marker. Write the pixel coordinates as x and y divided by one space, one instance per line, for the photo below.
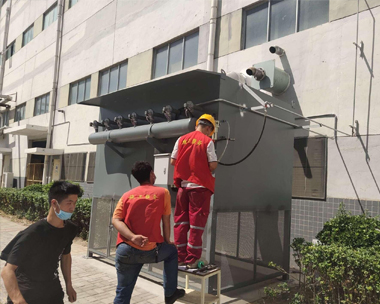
360 231
34 188
35 206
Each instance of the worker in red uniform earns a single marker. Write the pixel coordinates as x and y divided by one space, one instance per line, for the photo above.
194 159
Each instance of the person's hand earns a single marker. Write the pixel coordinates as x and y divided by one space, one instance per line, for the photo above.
140 240
20 300
71 293
171 243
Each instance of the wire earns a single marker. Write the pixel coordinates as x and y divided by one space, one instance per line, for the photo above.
253 149
228 139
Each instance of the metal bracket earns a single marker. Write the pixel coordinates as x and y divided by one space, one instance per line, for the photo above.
113 146
160 144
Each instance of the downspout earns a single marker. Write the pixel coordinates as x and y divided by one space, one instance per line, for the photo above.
211 39
57 58
5 42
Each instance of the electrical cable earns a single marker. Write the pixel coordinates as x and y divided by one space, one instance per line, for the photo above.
254 147
228 139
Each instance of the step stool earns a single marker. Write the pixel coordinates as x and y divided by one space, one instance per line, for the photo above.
196 297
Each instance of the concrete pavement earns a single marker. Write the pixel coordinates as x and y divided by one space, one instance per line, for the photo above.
95 281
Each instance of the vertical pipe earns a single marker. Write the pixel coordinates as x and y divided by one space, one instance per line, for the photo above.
356 70
52 104
5 42
212 33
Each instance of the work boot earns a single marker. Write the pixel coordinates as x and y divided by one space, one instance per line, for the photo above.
193 265
179 293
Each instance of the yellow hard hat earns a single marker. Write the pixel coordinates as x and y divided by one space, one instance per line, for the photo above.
209 118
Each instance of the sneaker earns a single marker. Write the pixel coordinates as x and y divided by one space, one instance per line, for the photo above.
179 293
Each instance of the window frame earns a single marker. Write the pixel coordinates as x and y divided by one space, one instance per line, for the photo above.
31 27
71 3
68 164
77 93
20 108
47 95
167 45
269 4
91 167
325 167
4 118
10 50
118 65
51 8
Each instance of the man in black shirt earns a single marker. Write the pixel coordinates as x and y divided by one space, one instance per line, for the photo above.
31 272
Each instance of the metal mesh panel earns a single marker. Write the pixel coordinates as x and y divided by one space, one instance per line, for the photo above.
226 233
100 222
247 235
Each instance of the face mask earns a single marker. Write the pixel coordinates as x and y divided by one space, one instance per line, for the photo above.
63 215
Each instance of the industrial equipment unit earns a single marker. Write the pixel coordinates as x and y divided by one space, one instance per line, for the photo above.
249 222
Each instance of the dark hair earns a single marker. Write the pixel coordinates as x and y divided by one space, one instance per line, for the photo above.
61 190
205 122
141 171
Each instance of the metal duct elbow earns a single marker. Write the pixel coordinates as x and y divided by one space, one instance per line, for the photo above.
153 117
192 110
170 113
258 73
122 122
137 119
277 50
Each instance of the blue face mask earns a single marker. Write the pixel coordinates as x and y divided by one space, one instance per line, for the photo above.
63 215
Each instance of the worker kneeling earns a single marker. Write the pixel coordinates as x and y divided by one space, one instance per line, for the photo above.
137 218
194 159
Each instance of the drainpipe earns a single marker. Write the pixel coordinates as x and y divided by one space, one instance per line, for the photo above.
211 40
57 58
5 42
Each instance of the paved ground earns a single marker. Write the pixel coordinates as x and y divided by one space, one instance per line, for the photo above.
95 281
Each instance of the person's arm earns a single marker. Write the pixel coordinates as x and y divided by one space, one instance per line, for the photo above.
211 156
174 153
10 282
166 228
213 165
123 229
66 271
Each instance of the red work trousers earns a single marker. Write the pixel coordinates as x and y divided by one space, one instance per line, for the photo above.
191 213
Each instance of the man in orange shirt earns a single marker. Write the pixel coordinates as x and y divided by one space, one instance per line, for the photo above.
137 218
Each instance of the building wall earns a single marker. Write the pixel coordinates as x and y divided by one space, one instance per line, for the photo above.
321 61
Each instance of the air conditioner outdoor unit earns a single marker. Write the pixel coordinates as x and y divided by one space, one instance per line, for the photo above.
7 180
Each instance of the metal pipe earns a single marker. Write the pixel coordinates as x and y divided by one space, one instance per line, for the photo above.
57 57
5 42
299 115
277 50
356 67
159 130
212 35
249 110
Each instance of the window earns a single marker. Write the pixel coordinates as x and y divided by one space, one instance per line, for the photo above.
73 167
91 167
50 16
176 56
10 51
113 79
80 90
72 2
4 121
310 168
278 18
27 35
41 105
20 112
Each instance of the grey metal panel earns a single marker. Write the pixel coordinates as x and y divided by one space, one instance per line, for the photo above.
263 180
113 173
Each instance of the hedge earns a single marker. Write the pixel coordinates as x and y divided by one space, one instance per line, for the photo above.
34 205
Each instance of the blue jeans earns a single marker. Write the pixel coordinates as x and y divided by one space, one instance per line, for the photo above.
129 262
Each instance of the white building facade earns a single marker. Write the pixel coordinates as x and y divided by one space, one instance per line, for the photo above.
58 53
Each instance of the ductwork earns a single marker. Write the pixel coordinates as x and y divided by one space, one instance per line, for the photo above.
158 130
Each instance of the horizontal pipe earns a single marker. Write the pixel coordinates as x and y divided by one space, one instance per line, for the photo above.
158 130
